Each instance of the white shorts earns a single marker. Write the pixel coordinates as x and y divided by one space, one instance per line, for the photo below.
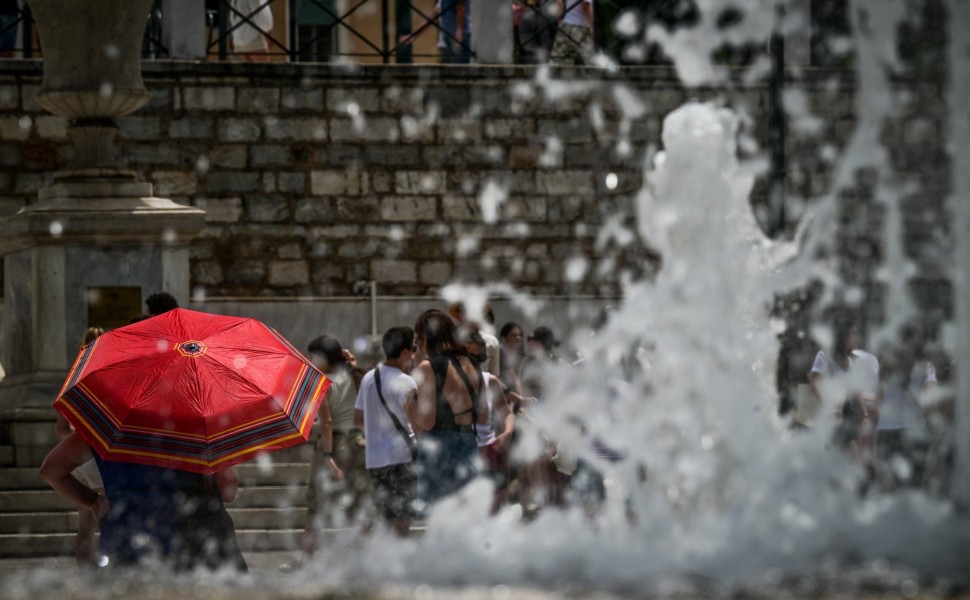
89 475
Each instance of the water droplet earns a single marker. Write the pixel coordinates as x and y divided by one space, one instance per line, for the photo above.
423 592
202 164
25 122
239 363
611 181
353 109
56 228
112 51
501 592
169 236
106 90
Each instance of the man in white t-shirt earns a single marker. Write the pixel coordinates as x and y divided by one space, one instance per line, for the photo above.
390 439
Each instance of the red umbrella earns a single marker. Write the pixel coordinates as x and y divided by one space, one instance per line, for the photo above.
191 391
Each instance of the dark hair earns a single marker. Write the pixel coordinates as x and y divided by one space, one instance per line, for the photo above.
396 340
160 303
329 347
91 334
139 318
841 327
438 332
507 329
544 336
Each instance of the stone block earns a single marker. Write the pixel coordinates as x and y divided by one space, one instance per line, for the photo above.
378 182
269 155
191 127
461 208
417 130
465 182
314 210
229 181
484 156
302 99
565 209
175 183
338 232
525 157
391 156
361 210
409 208
51 127
460 132
420 182
239 130
228 156
435 273
150 154
451 101
220 210
15 128
258 100
393 271
208 98
10 154
356 249
39 156
269 182
402 100
339 156
246 272
376 129
290 251
11 204
289 272
9 97
501 129
299 130
573 131
335 183
140 128
28 94
340 99
564 183
207 273
267 209
161 98
291 183
525 209
29 183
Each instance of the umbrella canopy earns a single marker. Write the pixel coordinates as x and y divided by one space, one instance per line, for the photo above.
191 391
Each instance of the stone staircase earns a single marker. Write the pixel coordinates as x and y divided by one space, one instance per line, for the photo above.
269 511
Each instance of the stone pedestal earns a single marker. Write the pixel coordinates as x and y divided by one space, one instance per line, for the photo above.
79 235
96 226
492 39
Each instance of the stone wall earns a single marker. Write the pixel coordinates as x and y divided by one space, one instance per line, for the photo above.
318 178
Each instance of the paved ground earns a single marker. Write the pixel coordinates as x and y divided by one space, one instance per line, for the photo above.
59 583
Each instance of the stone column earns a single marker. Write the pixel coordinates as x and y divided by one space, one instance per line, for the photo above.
492 31
96 225
958 97
183 29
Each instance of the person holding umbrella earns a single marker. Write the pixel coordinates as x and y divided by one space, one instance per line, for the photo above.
176 516
167 406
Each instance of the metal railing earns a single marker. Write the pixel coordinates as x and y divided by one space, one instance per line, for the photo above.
392 40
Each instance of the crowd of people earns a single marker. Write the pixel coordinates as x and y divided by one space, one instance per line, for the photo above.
443 408
447 405
886 415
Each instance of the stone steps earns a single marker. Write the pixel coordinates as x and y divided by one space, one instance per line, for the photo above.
269 511
62 544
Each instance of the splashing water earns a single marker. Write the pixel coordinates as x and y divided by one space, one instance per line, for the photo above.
712 488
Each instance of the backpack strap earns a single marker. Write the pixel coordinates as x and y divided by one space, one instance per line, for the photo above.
412 445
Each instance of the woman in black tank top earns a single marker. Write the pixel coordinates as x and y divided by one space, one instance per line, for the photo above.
447 447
